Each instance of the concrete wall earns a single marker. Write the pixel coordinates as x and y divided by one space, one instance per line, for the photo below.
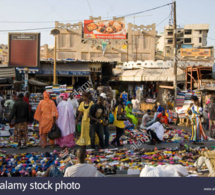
139 45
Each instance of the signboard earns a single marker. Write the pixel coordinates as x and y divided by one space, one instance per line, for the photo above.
24 49
105 29
207 84
195 52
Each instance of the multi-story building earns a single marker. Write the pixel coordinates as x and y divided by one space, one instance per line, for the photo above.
191 36
46 51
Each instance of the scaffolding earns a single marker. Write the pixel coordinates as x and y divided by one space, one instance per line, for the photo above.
194 76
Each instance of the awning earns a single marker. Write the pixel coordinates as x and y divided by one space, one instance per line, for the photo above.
152 75
32 82
166 87
65 69
7 72
117 71
30 70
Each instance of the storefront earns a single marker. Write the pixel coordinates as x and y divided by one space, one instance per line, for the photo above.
70 72
7 74
146 83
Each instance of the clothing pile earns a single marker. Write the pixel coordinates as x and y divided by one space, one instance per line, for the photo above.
171 135
107 161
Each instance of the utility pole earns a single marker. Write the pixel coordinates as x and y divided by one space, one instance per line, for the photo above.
175 53
55 32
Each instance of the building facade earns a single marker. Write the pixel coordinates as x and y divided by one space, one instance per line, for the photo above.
191 36
139 45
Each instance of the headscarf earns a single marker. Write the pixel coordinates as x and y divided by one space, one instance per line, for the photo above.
128 102
46 95
64 95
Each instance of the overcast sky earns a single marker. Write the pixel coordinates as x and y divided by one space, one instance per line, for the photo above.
43 13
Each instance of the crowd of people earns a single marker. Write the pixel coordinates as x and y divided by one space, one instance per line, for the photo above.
67 112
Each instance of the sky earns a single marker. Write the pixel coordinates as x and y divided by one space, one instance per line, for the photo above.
31 14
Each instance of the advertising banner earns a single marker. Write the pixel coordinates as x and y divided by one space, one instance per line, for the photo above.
195 52
105 29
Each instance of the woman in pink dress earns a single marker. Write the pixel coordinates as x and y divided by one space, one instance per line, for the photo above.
66 123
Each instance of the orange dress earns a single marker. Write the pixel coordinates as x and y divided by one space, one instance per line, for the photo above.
45 112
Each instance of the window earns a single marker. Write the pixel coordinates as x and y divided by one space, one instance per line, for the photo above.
170 33
62 40
188 32
167 51
188 40
170 41
200 32
200 40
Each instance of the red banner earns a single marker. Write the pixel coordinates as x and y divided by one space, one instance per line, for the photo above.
105 29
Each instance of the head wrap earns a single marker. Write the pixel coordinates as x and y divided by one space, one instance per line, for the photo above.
103 95
128 102
64 95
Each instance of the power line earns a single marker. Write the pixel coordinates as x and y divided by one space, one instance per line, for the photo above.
90 7
91 13
46 28
163 20
26 29
152 9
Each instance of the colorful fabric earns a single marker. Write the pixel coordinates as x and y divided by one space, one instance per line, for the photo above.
67 141
45 112
84 139
64 96
21 132
127 103
163 119
197 130
130 115
66 123
119 124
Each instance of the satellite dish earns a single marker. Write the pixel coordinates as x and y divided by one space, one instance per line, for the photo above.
55 32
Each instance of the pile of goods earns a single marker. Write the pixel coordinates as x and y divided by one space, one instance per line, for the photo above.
108 161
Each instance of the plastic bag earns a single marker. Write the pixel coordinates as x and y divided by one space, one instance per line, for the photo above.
111 118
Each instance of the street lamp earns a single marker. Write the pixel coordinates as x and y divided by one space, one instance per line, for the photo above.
55 32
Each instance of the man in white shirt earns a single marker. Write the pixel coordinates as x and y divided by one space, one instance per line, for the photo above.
82 169
155 132
74 103
145 119
135 104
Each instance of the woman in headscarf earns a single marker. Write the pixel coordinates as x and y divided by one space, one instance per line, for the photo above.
46 114
84 109
66 122
128 112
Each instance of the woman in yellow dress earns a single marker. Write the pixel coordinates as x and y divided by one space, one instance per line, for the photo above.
120 126
84 109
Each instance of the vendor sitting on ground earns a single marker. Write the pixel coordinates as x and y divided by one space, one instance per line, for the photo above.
207 158
155 132
146 120
163 117
128 110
